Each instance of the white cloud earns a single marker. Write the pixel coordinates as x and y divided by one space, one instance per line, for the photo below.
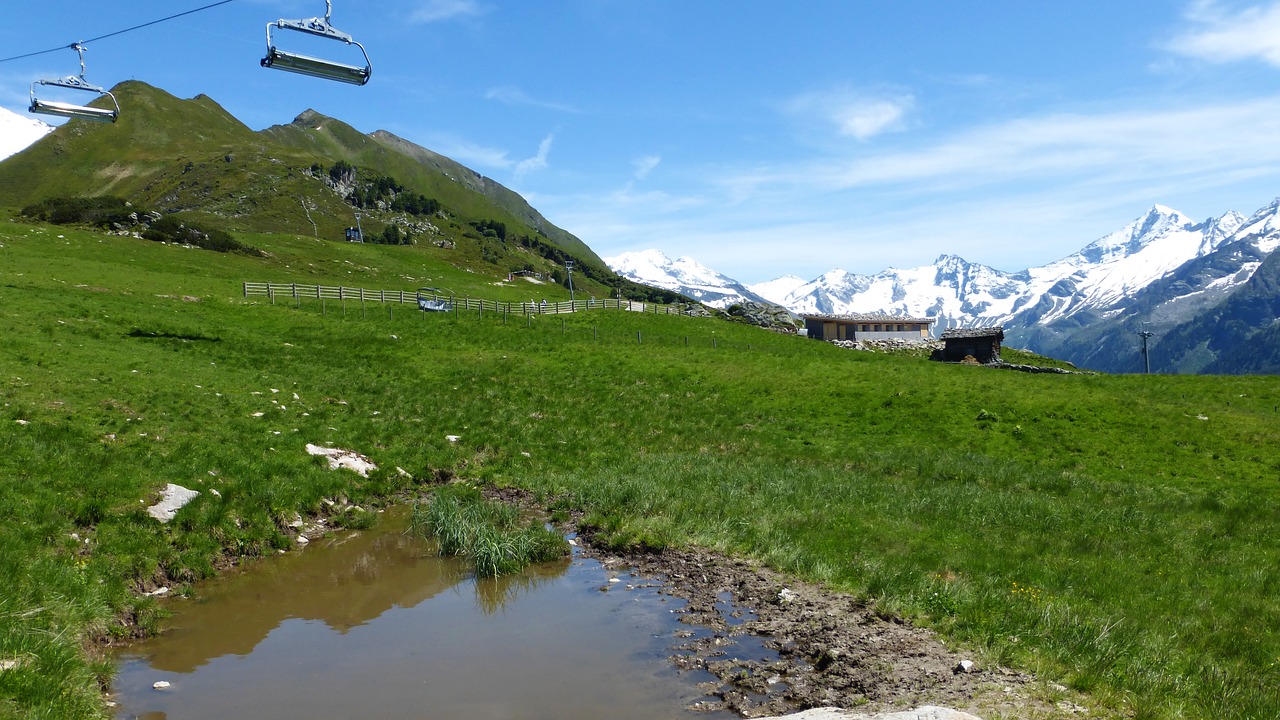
515 96
439 10
1010 194
854 114
645 165
1131 147
473 155
1219 34
537 162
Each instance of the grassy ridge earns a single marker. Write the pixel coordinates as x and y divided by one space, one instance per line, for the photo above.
1115 533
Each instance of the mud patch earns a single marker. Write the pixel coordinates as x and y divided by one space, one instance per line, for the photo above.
779 646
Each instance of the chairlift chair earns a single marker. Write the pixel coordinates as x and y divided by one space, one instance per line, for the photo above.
71 110
316 67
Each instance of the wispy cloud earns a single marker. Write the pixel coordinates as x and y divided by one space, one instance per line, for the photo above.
1220 34
537 162
854 114
515 96
1132 147
473 155
645 165
440 10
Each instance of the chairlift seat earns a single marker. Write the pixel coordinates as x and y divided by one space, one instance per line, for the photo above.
313 66
71 110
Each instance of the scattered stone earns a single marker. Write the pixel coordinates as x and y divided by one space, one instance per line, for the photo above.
174 498
160 685
8 665
924 712
23 422
157 592
453 438
339 458
966 666
786 595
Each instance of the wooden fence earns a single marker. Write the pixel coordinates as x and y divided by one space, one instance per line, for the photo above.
297 292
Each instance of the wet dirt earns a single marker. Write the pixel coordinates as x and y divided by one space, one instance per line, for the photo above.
778 646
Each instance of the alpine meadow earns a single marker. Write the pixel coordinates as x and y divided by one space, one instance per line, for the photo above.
1115 535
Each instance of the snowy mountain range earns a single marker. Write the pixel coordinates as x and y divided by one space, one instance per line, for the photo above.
683 275
1163 269
17 132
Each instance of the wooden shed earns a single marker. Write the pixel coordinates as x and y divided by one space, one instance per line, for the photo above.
867 327
982 344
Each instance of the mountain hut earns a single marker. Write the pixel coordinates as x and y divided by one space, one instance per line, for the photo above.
982 344
867 327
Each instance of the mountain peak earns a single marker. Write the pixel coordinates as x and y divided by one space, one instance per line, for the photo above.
683 275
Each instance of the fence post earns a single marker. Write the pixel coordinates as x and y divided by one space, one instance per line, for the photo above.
271 293
639 338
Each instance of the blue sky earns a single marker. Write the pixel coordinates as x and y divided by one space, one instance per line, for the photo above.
763 138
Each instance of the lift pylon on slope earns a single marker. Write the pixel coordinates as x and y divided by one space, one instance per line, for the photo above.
71 110
316 67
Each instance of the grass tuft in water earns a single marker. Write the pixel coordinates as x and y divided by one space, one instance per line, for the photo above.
494 536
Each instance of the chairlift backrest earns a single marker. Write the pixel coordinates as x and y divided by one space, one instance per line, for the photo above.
316 67
71 110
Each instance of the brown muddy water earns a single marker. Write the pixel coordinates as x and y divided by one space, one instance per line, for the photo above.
376 625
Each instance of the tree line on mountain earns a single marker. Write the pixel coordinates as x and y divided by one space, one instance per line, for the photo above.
114 213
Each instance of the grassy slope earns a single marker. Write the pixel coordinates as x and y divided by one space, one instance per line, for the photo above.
192 156
1116 532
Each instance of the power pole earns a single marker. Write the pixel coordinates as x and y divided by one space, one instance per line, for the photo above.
1146 357
568 266
359 230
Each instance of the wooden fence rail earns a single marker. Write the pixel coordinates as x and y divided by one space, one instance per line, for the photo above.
297 292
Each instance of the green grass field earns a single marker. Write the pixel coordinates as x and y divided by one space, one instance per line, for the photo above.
1112 533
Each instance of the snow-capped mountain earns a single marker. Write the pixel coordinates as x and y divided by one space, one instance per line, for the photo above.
962 294
683 275
18 132
1157 273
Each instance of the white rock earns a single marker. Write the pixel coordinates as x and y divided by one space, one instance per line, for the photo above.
158 592
453 438
174 498
966 666
339 458
8 665
160 685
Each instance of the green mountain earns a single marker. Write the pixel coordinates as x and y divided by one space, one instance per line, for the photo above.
309 177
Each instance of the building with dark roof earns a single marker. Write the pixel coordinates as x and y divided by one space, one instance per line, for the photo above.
867 327
981 344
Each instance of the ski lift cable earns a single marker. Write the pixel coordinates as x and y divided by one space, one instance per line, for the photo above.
118 32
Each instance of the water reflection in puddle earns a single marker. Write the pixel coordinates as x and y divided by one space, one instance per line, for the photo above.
374 624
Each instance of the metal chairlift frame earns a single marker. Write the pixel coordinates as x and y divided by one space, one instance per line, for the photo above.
316 67
434 303
71 110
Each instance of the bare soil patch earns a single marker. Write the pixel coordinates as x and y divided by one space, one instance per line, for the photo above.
825 649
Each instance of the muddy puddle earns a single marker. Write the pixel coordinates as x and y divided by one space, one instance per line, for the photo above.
374 624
